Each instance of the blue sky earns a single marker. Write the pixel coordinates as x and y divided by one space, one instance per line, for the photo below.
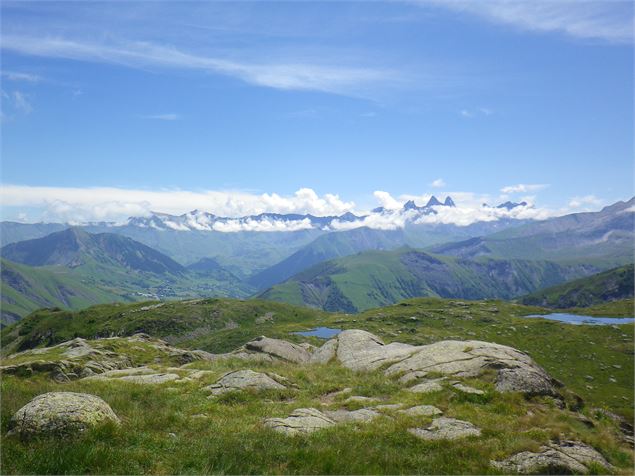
110 109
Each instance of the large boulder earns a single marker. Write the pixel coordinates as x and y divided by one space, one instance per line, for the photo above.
60 413
361 350
555 458
516 371
270 350
446 429
300 421
244 380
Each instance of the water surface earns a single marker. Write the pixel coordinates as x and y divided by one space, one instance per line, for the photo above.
578 319
321 332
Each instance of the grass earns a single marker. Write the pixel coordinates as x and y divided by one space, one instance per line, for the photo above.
174 429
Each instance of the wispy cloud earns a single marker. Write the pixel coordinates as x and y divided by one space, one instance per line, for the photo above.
140 54
608 20
481 111
438 183
524 188
19 76
163 117
585 201
22 102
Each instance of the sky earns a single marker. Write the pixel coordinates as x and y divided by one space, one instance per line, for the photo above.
115 109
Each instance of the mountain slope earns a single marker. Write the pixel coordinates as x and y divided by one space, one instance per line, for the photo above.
377 278
331 245
604 238
114 267
25 289
74 247
611 285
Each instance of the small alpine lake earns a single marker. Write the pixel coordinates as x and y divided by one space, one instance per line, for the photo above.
321 332
578 319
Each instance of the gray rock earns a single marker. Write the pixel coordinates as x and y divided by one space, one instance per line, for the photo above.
300 421
568 456
361 350
516 370
446 429
244 380
363 415
150 379
60 413
422 410
324 354
360 399
467 389
277 349
428 386
388 406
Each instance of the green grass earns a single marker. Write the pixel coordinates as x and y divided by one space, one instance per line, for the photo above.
174 429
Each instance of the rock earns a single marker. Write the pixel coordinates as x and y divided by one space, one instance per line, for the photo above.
149 379
565 456
428 386
446 429
268 317
60 413
516 370
324 354
466 389
361 350
362 415
388 406
422 410
244 380
359 399
277 349
300 421
199 374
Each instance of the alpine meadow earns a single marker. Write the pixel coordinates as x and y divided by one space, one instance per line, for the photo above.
317 238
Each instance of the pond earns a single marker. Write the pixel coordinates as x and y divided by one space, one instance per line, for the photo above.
577 319
321 332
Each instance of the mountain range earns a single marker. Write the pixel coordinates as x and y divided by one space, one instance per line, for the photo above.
351 269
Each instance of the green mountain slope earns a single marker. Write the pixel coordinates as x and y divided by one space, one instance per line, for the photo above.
612 285
325 247
25 289
113 267
377 278
604 238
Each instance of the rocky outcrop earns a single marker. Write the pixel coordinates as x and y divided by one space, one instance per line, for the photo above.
555 458
60 414
516 371
270 350
363 415
446 429
428 386
79 358
300 421
244 380
361 350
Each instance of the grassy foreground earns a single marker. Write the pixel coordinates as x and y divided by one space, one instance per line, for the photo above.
174 428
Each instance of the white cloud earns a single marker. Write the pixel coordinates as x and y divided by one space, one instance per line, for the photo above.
386 200
22 103
524 188
163 117
117 204
587 200
438 183
466 113
18 76
610 21
141 54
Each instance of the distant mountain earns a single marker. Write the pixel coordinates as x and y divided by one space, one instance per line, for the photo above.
74 247
113 267
612 285
325 247
604 238
25 289
511 205
377 278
